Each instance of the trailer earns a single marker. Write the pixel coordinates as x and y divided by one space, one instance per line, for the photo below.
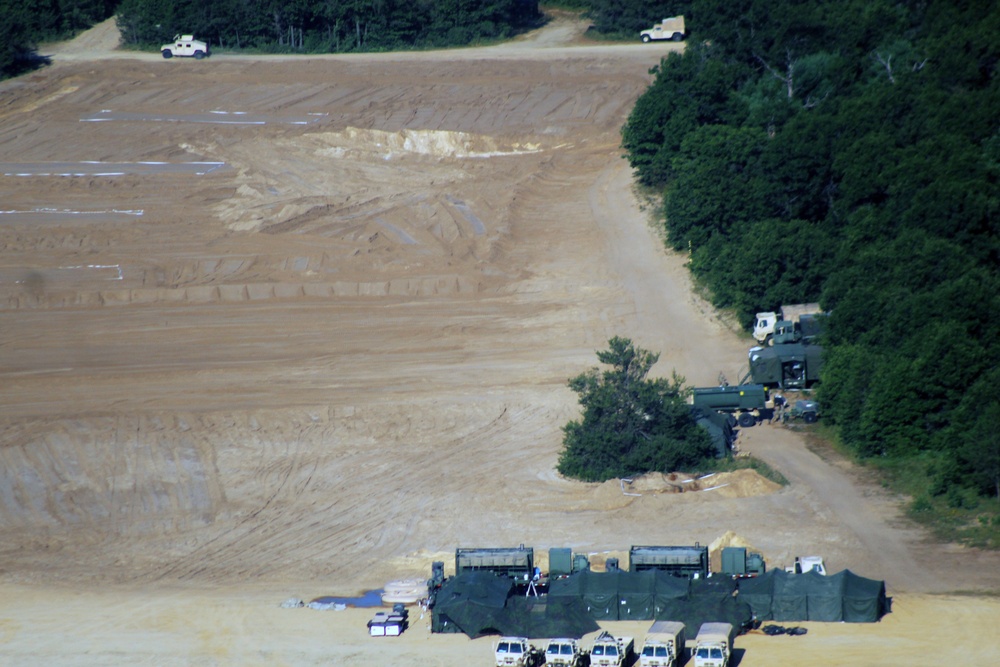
517 563
691 562
744 401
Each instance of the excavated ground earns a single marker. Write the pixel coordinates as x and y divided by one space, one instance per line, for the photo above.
301 326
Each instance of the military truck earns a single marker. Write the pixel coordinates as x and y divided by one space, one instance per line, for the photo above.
566 652
691 562
185 46
739 563
664 645
793 366
744 401
766 323
517 652
611 651
671 29
713 646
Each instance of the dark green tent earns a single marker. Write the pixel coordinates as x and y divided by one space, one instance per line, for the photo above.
636 595
472 603
597 590
668 589
864 599
479 603
757 592
845 596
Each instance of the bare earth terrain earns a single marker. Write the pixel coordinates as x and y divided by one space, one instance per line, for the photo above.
300 326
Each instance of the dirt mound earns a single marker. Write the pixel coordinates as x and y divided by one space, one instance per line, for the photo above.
736 484
619 493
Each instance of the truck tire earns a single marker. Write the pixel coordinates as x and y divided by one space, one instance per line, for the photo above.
198 55
746 420
167 53
676 37
645 39
809 417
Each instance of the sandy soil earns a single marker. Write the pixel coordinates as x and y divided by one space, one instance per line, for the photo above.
343 353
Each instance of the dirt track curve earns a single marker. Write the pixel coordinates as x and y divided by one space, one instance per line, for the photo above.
299 326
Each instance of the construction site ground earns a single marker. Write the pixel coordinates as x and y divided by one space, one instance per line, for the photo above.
278 327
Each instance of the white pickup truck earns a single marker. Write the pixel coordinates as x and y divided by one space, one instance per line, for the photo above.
185 46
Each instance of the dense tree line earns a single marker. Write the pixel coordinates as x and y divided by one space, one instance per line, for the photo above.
848 152
325 25
25 23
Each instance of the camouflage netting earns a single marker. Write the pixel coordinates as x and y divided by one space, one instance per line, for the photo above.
480 603
845 596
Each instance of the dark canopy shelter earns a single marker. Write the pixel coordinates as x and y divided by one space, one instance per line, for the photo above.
845 596
654 595
479 603
597 590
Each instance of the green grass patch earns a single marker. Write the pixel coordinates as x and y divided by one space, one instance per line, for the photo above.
746 463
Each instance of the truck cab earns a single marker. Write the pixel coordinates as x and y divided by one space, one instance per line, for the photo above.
805 564
517 652
670 29
566 653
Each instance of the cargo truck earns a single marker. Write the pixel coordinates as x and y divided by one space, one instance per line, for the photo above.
744 401
664 645
713 645
566 652
766 324
612 651
793 366
671 29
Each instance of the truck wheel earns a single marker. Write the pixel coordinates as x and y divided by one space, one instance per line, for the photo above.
167 53
645 39
676 37
809 417
746 420
198 55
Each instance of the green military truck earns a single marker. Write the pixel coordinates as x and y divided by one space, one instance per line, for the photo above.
792 366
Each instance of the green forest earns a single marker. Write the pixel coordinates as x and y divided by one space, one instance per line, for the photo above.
848 153
278 26
326 26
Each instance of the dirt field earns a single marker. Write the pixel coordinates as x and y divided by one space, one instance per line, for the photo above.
300 326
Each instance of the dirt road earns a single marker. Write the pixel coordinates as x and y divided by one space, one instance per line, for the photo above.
300 326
